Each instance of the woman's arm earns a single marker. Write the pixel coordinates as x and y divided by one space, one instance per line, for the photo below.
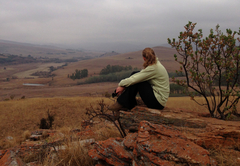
144 75
120 89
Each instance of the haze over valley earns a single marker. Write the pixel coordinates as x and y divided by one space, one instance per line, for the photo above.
23 63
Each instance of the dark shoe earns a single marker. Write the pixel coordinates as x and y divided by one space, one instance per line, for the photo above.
115 107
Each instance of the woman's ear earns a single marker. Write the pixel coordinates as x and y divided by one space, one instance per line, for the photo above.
144 58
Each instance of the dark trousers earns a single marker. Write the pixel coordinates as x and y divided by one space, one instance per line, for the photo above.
128 98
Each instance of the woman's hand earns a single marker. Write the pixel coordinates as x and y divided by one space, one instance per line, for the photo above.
120 89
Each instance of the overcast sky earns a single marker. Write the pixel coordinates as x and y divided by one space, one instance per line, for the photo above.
101 24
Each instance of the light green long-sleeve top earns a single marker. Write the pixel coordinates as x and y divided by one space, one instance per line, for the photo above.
157 76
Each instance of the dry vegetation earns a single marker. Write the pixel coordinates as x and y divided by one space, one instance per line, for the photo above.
18 117
187 104
76 152
21 115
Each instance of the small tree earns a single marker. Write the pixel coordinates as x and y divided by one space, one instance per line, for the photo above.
102 112
206 63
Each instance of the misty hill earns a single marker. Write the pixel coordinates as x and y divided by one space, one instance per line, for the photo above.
134 59
43 51
109 54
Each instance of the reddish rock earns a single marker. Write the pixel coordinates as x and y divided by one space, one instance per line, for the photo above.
86 132
204 131
2 152
224 138
111 151
152 145
10 158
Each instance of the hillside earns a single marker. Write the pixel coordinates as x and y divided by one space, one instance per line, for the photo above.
61 85
134 59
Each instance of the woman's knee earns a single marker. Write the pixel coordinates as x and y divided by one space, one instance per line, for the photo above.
145 85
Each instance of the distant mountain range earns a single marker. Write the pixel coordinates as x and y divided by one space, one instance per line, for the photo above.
120 47
50 51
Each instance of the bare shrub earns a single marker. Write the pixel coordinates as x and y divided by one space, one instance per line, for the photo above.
46 123
102 112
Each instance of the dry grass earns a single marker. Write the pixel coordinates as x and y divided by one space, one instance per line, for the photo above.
69 153
75 152
187 104
18 116
21 115
26 134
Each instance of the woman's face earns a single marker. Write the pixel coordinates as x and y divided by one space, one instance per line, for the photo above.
144 58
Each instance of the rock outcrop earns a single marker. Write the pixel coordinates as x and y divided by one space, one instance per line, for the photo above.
151 145
199 128
167 137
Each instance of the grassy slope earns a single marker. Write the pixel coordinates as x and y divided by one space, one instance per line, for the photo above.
94 66
20 115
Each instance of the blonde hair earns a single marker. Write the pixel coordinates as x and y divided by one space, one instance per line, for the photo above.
150 57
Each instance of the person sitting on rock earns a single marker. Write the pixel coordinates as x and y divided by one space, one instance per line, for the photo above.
152 84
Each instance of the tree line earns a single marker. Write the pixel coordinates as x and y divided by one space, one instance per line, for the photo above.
111 77
78 74
114 68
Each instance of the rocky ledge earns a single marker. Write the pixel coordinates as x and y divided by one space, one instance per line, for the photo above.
151 145
168 137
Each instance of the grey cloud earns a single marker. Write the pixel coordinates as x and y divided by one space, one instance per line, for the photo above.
95 23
